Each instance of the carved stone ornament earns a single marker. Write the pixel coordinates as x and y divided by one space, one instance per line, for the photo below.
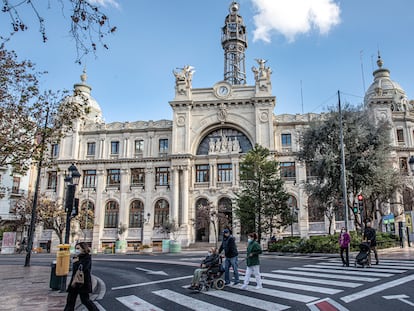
264 116
180 120
222 114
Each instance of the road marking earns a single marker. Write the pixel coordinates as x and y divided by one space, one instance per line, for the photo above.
246 300
377 289
400 298
371 269
188 302
375 268
311 280
151 271
137 304
317 289
327 276
326 304
153 282
349 272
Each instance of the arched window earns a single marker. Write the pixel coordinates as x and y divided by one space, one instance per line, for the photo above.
161 212
226 136
136 214
225 215
316 211
87 215
111 214
202 220
293 206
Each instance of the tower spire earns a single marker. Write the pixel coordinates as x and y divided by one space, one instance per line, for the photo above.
234 43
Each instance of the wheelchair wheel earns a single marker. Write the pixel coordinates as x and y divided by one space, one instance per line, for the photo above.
219 283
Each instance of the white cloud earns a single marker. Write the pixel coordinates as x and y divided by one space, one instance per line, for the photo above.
113 3
293 17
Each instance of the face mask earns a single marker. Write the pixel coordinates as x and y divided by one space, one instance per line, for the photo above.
208 253
77 251
249 240
343 231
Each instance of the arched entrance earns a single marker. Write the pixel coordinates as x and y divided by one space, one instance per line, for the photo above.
202 220
225 215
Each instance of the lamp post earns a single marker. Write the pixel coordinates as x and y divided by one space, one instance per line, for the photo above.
71 180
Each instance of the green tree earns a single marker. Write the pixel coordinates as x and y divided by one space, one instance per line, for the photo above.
88 25
367 149
30 119
261 203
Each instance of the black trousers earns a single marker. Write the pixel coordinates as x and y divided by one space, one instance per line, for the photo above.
342 255
84 297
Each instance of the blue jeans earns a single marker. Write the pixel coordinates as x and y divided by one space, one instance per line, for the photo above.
231 262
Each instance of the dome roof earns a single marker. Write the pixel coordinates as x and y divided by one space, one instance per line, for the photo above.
383 86
82 93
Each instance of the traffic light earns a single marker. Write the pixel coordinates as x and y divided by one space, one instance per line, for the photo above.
355 208
75 210
360 202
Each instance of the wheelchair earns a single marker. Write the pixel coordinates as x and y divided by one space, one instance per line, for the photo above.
212 278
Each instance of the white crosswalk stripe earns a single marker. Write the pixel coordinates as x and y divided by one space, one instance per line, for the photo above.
303 284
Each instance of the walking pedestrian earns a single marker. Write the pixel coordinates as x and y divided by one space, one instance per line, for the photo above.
82 261
370 236
230 251
48 244
344 241
252 261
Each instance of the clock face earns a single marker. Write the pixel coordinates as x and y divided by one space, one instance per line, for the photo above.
223 90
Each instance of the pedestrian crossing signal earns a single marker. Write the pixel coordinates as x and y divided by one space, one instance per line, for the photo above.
356 208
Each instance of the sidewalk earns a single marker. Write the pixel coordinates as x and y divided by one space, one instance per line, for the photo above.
27 288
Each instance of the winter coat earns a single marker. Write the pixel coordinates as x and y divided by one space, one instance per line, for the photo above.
229 247
253 251
210 260
370 235
344 240
86 261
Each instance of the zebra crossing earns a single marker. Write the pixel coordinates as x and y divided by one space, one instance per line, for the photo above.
283 289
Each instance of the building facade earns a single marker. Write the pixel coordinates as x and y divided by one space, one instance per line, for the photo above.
138 175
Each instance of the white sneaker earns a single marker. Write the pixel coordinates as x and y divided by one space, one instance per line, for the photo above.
259 287
243 287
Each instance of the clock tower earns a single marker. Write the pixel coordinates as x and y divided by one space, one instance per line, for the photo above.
234 43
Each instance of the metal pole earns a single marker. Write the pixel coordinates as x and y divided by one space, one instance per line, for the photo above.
343 168
70 197
35 195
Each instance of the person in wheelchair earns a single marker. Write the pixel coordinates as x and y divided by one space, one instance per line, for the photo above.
211 262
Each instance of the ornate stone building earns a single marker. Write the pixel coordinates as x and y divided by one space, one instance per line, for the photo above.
139 174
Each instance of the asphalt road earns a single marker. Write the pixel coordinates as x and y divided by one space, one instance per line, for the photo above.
159 282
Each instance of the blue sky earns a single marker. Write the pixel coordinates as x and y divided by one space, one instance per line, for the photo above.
323 45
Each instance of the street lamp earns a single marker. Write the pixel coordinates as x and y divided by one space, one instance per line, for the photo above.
71 181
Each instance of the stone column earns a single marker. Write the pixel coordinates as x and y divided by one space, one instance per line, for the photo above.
176 194
184 195
99 211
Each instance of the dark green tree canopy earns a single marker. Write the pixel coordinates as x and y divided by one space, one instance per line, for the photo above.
367 150
261 203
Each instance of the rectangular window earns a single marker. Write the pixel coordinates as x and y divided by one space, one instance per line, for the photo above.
400 135
311 170
286 140
162 176
52 180
287 170
224 172
202 173
114 147
139 146
90 149
89 179
163 145
137 176
16 185
55 150
113 177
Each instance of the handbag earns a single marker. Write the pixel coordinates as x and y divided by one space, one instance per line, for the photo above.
79 277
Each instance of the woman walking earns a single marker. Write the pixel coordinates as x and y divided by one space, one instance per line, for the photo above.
344 241
252 261
83 262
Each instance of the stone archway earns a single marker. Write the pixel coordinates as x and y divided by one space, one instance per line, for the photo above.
202 220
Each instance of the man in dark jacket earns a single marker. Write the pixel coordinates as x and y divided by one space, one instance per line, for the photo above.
231 253
371 236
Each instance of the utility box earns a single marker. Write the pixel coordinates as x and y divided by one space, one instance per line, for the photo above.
62 259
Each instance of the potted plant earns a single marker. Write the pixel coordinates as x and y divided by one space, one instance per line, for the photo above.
173 229
145 248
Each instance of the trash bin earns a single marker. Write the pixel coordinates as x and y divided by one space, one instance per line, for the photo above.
55 281
62 260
